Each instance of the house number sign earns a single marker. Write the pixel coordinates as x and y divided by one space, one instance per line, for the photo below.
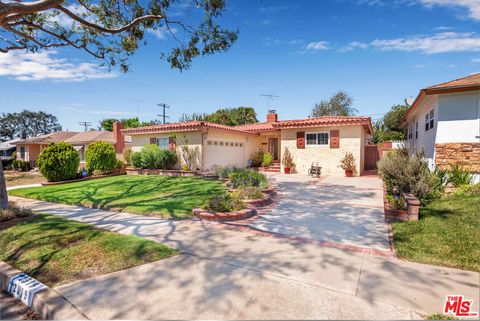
24 287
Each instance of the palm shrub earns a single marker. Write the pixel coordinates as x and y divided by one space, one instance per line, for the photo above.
459 176
58 162
267 159
100 157
248 177
405 173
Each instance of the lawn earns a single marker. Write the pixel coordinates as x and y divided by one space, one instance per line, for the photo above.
13 178
448 233
168 197
58 251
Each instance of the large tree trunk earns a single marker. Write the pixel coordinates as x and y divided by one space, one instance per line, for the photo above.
3 189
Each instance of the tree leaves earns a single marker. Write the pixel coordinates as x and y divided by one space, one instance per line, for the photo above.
30 123
340 104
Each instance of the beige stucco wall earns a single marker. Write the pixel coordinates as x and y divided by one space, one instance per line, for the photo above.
352 139
31 152
194 140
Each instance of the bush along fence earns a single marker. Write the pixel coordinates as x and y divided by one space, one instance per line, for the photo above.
247 190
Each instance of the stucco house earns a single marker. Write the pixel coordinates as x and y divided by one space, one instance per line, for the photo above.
444 121
322 139
29 149
7 148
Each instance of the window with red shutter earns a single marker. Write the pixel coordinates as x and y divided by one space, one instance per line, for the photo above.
301 140
334 139
153 140
172 144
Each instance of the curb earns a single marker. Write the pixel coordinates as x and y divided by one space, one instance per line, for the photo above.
48 303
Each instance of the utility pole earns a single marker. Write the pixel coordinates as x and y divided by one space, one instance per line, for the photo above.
163 115
269 97
85 124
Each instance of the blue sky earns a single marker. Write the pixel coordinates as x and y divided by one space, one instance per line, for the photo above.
379 51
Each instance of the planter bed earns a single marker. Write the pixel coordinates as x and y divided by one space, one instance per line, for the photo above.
169 172
224 216
80 179
266 200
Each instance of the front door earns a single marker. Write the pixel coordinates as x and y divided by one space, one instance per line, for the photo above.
273 148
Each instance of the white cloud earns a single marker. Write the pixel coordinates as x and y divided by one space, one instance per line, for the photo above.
25 66
353 45
438 43
472 6
317 45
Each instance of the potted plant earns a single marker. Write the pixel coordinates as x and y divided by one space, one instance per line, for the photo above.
348 164
287 161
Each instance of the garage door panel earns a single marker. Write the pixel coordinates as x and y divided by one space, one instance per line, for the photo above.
224 153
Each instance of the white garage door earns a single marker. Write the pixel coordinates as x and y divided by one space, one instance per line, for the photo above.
224 153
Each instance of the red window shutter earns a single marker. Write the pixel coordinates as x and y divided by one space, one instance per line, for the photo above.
300 140
334 139
153 140
172 144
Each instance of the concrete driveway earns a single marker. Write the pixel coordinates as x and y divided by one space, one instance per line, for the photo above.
333 209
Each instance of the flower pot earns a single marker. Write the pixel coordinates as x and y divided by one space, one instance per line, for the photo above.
349 173
286 170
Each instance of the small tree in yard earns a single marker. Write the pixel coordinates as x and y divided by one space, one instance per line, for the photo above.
58 162
100 156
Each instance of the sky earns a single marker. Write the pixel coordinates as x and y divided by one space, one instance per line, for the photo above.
379 51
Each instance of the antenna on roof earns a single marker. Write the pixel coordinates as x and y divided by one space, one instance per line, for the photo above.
163 115
85 124
269 97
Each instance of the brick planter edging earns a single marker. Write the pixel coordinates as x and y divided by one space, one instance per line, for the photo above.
410 214
224 216
264 201
48 303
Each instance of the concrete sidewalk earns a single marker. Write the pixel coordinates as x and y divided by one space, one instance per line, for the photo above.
376 280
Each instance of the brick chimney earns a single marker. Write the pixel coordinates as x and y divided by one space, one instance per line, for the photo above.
272 116
119 137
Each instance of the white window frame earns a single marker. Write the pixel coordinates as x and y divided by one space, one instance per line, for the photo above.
161 141
316 139
429 120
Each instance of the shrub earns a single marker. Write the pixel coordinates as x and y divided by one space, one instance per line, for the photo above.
442 178
459 176
287 160
100 157
20 165
13 212
398 203
249 193
58 162
468 190
257 159
127 155
267 159
152 157
247 177
136 160
224 171
7 163
348 162
120 164
223 203
406 173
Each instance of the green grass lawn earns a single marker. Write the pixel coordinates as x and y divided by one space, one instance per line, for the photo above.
448 233
57 251
169 197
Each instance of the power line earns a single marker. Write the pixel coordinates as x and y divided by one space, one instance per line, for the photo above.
163 115
85 124
268 97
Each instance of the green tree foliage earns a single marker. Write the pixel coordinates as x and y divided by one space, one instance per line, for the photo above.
340 104
100 156
388 128
152 157
226 116
111 30
30 123
107 123
58 162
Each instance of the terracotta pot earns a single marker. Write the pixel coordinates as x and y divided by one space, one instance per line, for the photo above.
348 173
286 170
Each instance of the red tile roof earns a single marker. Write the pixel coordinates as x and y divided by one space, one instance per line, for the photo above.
182 127
311 122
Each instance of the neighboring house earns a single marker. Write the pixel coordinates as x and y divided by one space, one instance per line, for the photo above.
7 148
444 122
323 139
29 149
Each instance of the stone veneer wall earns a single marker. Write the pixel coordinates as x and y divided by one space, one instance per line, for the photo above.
466 155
